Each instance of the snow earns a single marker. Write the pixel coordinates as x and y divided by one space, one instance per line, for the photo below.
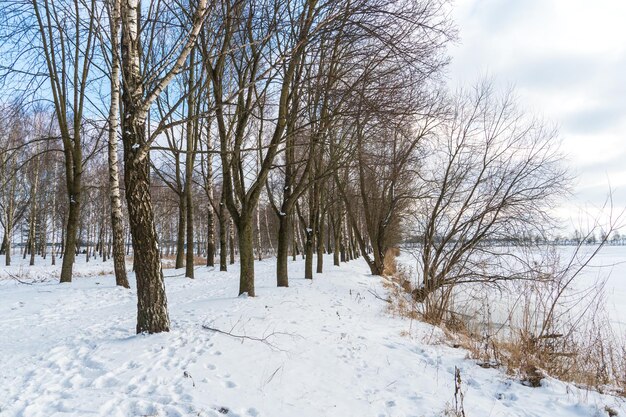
329 348
608 266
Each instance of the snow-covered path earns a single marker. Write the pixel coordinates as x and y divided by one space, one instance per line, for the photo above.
330 350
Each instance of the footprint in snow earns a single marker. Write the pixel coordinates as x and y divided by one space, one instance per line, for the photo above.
229 384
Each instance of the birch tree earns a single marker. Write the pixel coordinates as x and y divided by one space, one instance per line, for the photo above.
117 222
137 97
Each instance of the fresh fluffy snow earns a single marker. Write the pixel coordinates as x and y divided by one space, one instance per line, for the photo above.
330 349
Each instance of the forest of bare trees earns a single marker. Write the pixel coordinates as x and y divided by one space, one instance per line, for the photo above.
255 129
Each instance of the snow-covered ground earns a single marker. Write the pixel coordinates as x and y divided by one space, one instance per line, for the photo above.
329 349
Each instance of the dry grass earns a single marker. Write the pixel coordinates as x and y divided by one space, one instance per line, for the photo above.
197 260
169 261
399 287
390 264
577 346
597 363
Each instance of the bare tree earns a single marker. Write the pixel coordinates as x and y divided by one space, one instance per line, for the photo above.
395 105
13 197
54 41
137 97
247 33
206 167
498 174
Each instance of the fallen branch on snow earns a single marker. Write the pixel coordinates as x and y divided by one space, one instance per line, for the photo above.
264 339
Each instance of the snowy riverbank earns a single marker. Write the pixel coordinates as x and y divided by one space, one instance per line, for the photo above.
329 349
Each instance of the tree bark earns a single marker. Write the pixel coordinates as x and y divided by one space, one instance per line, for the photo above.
320 245
180 237
8 231
258 233
336 239
232 241
117 222
33 220
189 161
189 261
210 241
73 217
308 250
223 236
245 233
284 233
210 238
152 314
294 241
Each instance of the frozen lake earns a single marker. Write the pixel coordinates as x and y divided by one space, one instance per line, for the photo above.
608 267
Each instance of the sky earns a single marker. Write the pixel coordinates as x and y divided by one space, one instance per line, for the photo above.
567 62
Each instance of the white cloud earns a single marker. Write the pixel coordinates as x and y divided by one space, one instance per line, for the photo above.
567 59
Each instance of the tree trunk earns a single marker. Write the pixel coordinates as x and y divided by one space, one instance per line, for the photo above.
189 261
294 241
8 230
87 246
152 315
284 234
320 247
328 235
232 241
378 264
223 237
73 218
62 247
180 237
337 241
267 230
300 238
53 260
245 232
117 222
31 232
210 238
258 232
344 239
308 249
210 260
43 235
189 161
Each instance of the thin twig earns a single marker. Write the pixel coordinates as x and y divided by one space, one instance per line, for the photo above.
263 339
387 300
